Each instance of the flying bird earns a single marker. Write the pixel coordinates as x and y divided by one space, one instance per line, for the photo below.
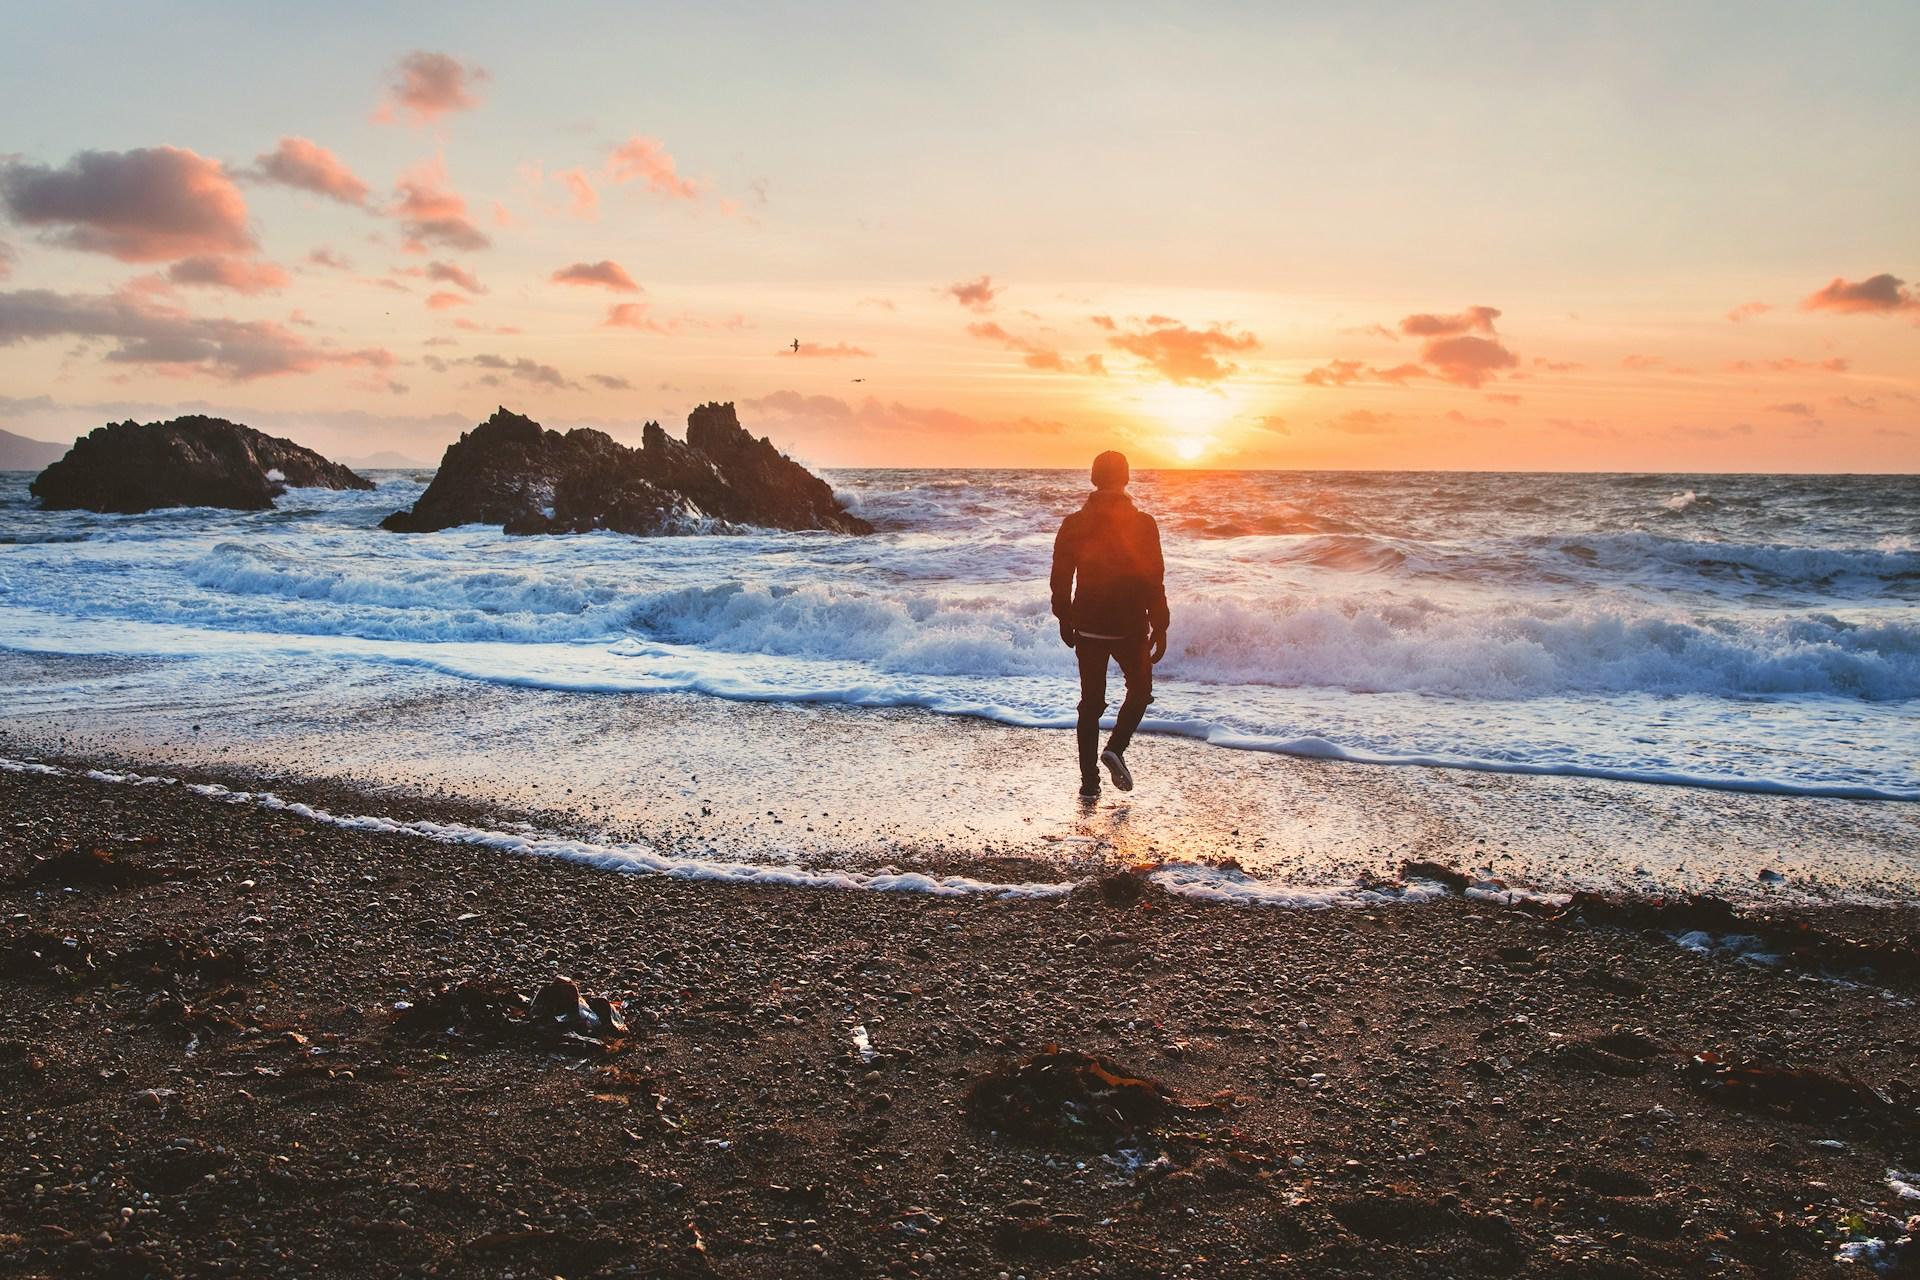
796 346
858 379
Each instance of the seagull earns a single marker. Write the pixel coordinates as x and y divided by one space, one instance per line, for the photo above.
796 346
859 379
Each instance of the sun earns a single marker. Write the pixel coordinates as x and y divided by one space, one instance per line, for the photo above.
1190 416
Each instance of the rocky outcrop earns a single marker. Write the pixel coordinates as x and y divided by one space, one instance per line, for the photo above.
129 467
512 472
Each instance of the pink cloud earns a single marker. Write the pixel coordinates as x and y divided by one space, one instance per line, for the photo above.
1451 353
1639 363
308 166
325 257
1033 354
427 86
976 295
432 212
643 159
1789 364
1182 354
454 274
7 258
1364 422
443 300
633 315
1881 294
1472 320
1795 409
1335 373
503 216
474 326
814 351
169 340
236 274
1748 310
1466 361
586 201
603 274
154 204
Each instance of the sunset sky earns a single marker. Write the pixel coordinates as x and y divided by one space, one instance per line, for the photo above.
1622 237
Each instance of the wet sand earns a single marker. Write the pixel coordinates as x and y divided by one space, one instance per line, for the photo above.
206 1072
826 784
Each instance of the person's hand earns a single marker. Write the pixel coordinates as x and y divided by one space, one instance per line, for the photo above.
1158 649
1068 636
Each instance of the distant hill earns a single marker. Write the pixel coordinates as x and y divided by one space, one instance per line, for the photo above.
387 461
22 453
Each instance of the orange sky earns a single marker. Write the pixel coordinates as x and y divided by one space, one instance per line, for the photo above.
1266 239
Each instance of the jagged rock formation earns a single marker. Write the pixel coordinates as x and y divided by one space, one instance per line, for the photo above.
129 467
512 472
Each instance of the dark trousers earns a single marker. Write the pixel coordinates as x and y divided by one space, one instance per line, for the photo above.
1131 653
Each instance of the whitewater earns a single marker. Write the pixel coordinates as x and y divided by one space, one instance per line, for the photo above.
1742 633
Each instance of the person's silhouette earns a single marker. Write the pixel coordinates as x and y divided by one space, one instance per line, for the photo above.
1110 595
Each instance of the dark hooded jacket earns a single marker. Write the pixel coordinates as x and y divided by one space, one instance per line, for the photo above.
1108 576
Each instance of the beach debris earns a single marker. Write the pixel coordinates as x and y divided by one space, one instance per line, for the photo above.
181 962
1769 876
1895 1253
1805 1093
1711 925
1437 872
863 1044
95 869
491 1010
1124 888
44 954
1062 1095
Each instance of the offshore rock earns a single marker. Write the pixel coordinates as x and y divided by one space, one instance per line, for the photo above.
130 467
512 472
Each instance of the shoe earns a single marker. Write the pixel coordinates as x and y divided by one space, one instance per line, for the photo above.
1117 770
1090 788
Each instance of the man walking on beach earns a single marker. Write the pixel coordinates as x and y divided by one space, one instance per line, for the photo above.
1110 595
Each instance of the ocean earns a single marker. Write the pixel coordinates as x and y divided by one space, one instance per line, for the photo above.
1745 633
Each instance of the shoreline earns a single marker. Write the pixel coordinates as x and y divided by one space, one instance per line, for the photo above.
1454 1086
701 778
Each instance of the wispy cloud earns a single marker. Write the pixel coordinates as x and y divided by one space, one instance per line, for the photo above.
605 274
432 212
976 295
141 334
307 166
646 160
237 274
